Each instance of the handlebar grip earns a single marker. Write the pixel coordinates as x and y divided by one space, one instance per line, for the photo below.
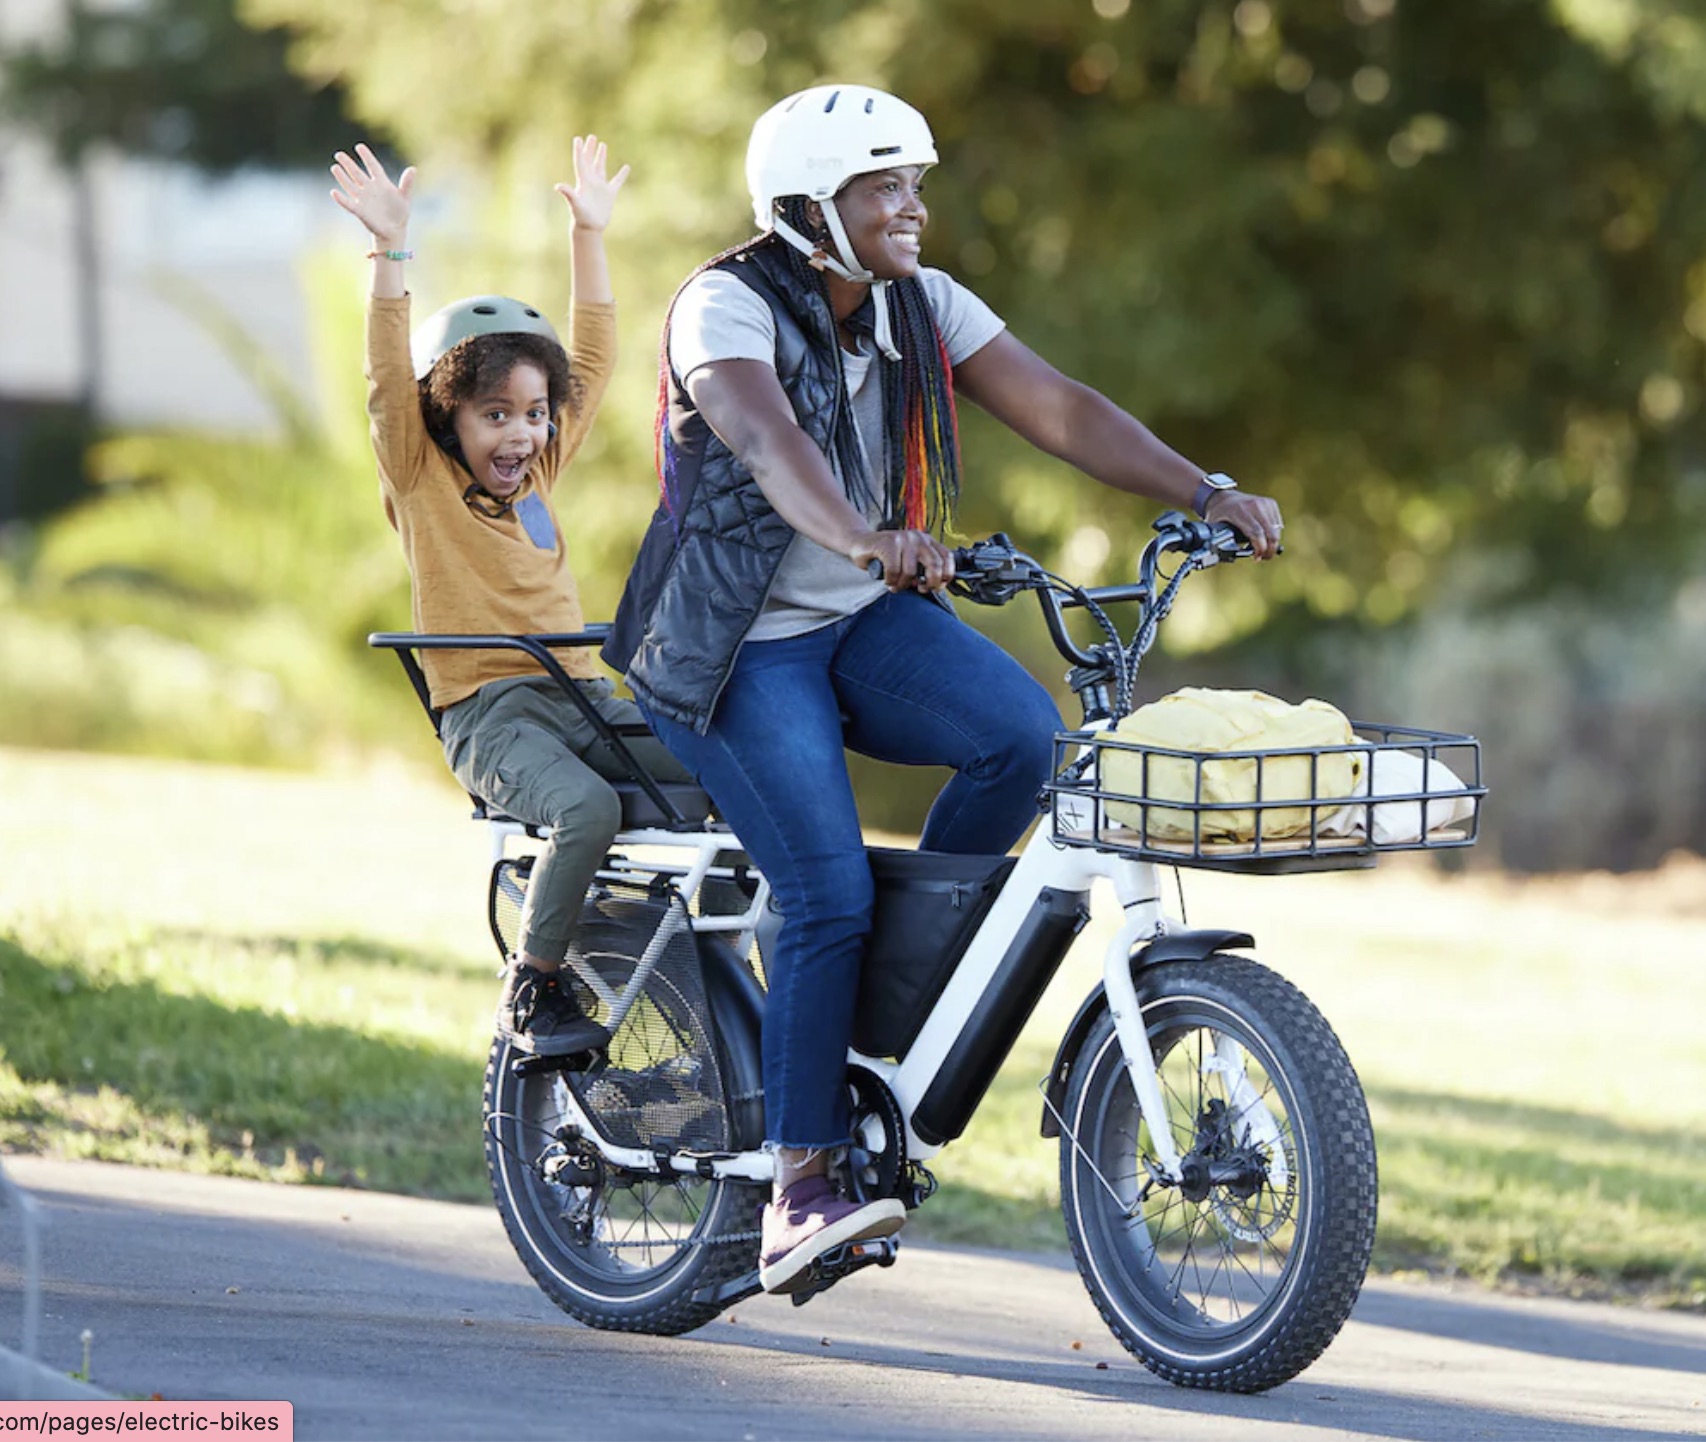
964 563
1230 541
1227 537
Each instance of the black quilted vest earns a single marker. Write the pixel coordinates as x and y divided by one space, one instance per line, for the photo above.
705 567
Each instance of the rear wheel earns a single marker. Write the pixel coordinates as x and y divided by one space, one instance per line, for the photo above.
1237 1273
622 1250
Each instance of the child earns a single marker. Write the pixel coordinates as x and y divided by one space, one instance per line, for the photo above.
474 419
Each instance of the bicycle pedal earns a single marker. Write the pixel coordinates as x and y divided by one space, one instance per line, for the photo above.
843 1261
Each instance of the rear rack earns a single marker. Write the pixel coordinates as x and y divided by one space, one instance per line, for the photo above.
1174 807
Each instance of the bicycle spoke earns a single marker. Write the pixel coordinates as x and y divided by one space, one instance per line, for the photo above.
1224 1254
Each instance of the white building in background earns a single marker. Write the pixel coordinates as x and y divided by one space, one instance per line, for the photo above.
237 241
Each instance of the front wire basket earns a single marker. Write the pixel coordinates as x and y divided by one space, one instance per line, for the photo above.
1268 811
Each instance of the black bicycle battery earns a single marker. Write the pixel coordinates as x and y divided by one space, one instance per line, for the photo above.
1032 958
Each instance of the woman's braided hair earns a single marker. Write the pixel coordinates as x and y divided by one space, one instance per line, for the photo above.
920 476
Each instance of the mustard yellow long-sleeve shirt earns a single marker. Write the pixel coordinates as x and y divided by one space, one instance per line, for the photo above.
474 573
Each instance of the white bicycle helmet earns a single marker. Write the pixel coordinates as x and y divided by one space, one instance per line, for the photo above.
474 315
814 142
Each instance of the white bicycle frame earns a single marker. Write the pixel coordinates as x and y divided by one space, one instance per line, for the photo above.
690 858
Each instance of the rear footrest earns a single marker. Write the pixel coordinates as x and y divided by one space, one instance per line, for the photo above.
526 1063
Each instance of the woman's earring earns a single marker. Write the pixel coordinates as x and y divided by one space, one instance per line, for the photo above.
551 430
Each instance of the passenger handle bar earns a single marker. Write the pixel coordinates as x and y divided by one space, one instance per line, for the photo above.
406 643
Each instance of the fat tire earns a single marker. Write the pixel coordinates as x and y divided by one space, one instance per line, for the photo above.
576 1272
1333 1154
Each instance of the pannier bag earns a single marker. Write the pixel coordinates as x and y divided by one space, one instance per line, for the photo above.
929 905
1217 730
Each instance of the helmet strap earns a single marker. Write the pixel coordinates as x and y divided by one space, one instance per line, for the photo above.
813 251
838 232
478 498
882 332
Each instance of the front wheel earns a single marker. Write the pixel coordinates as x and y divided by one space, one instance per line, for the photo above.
1236 1273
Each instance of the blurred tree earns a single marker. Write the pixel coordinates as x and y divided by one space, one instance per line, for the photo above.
1433 274
175 80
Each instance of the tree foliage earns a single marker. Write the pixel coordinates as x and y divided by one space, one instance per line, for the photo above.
1434 274
176 80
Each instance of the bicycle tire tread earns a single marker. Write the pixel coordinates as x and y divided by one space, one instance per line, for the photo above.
1337 1263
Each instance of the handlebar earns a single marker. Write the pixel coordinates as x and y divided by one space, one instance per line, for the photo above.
992 572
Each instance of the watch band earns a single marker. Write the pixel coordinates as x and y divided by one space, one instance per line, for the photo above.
1207 488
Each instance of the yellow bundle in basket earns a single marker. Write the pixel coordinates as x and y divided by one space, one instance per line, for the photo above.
1201 720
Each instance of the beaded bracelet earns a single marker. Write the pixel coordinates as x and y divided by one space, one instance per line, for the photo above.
390 255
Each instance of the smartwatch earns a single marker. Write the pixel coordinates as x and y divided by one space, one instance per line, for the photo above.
1206 487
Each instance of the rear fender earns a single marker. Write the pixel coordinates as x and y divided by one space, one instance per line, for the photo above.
737 1014
1174 946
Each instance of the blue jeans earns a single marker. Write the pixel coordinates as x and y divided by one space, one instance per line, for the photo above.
915 685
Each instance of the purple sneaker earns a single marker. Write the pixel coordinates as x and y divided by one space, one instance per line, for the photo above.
809 1219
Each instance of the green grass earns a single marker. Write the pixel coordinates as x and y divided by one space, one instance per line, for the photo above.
259 1056
290 977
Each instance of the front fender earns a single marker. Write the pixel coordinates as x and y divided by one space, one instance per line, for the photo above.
1173 946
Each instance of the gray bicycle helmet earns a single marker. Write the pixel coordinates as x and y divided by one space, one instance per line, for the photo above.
475 315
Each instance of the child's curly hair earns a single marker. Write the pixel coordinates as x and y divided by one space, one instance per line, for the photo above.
477 363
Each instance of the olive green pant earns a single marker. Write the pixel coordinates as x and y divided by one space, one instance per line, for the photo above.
524 747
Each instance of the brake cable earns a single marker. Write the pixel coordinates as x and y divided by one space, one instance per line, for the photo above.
1145 637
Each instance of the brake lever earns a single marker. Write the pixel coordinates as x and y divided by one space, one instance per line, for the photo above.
1207 542
983 589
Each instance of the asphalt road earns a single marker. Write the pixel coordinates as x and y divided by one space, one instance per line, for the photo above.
384 1317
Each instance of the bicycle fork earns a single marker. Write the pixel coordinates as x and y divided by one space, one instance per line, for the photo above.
1135 884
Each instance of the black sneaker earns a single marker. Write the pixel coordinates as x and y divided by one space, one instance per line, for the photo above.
538 1014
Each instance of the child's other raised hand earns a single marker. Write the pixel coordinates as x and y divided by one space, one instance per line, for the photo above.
371 196
592 197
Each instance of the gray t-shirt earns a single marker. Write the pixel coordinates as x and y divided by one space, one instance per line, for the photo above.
719 317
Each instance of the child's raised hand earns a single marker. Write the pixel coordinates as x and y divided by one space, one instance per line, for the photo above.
593 195
371 196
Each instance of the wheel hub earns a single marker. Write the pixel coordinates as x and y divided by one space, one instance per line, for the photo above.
1216 1161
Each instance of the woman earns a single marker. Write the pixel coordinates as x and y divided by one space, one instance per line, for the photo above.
807 429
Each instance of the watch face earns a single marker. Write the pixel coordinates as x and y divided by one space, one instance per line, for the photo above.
1220 481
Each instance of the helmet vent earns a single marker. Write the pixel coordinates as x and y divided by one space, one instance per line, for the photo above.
830 105
485 310
886 150
870 105
532 312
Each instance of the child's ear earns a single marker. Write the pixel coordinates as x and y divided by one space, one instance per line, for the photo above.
447 442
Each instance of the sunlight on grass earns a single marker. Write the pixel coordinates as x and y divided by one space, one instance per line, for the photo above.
278 1059
291 977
